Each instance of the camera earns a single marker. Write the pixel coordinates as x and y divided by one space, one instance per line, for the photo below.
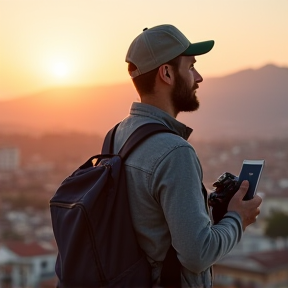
226 186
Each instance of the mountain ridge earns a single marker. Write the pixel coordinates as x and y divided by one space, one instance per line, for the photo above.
258 107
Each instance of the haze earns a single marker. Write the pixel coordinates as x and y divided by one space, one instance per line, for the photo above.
52 43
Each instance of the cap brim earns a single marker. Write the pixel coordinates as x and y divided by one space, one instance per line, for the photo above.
199 48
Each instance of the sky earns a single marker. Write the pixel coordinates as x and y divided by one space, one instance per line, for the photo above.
48 43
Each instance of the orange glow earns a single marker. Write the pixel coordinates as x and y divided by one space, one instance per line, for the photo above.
48 43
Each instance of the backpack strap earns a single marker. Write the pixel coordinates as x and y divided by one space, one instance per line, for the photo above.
108 143
141 133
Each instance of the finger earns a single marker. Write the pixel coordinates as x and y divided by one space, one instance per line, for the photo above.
257 200
242 190
254 202
254 216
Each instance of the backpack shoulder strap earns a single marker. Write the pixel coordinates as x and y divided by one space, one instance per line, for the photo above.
108 143
141 133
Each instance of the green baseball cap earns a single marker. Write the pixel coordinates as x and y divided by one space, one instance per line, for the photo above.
160 44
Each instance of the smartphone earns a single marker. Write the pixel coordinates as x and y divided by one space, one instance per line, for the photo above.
251 170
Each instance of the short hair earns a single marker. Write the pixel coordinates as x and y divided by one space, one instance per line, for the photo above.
145 83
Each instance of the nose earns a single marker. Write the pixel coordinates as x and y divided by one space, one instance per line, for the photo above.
198 78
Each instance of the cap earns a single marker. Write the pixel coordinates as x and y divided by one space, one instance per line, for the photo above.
160 44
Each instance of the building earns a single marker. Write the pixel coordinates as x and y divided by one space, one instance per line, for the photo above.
265 269
9 159
275 203
26 264
254 242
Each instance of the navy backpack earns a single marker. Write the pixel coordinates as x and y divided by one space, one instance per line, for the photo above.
97 245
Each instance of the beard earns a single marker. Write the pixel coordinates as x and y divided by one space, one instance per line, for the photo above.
183 96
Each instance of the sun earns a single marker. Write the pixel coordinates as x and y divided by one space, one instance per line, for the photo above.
60 69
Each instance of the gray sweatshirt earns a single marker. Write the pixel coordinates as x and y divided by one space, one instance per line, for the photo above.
164 179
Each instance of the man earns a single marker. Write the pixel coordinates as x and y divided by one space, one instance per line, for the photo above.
164 174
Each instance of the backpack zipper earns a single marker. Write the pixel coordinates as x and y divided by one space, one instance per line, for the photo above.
63 205
98 262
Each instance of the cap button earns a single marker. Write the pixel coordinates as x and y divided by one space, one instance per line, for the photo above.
145 29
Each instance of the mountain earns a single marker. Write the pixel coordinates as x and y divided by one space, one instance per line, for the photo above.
88 109
250 103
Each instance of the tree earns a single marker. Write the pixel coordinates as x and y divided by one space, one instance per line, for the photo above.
277 225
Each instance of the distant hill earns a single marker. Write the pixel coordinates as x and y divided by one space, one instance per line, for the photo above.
80 109
250 103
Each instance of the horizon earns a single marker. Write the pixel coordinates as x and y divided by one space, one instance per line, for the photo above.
98 108
105 85
69 43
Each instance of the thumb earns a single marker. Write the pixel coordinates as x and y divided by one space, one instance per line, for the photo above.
240 194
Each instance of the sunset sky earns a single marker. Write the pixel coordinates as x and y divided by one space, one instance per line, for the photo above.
46 43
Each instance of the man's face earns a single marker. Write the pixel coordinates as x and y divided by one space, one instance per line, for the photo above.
186 82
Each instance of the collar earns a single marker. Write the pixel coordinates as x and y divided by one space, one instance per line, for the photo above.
146 110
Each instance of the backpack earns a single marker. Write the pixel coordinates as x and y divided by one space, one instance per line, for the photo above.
92 225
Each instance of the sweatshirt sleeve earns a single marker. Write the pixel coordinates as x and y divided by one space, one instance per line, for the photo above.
177 182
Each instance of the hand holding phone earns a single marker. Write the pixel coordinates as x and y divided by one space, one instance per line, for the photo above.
251 171
228 184
247 210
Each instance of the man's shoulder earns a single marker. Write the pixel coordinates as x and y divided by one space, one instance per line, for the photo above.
157 144
161 139
169 140
158 147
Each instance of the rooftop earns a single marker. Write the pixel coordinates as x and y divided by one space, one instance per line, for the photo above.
262 262
29 249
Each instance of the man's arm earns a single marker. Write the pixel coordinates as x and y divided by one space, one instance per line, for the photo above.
177 181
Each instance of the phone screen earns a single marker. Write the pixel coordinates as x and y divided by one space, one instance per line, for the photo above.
251 171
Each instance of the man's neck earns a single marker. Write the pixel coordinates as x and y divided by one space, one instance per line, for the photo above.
160 101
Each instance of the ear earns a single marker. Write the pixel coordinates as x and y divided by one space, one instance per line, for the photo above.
166 74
